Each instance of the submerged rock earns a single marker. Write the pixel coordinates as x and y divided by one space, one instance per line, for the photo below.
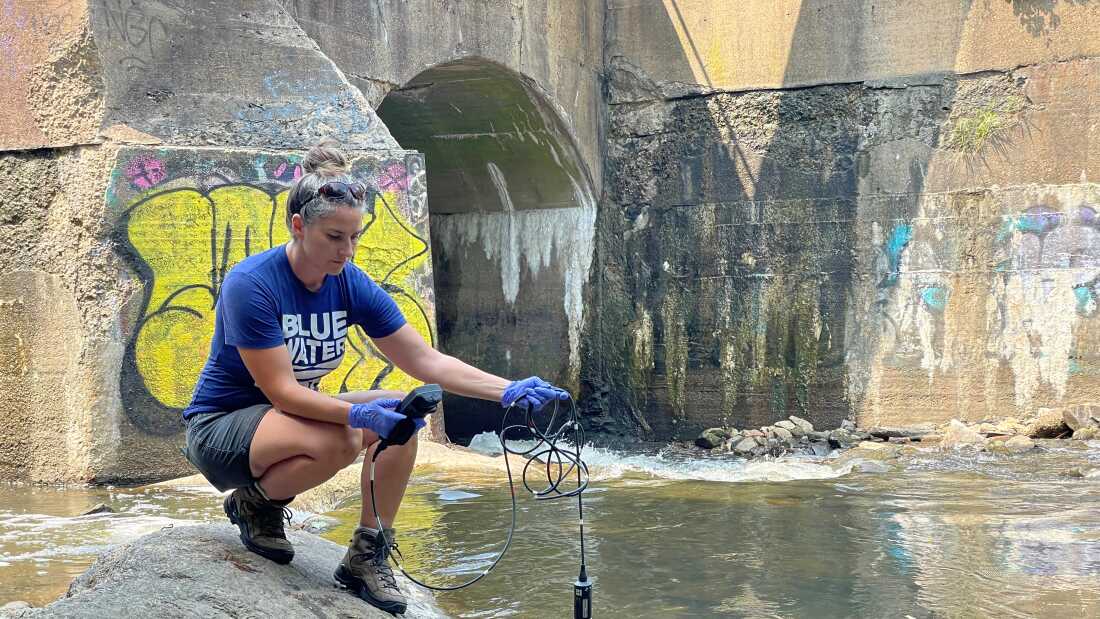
100 508
1085 472
1014 445
204 571
870 466
888 433
1087 433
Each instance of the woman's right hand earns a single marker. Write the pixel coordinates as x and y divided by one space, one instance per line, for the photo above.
378 416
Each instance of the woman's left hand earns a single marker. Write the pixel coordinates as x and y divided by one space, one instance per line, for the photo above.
531 394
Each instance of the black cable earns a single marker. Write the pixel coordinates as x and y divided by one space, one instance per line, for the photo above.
546 446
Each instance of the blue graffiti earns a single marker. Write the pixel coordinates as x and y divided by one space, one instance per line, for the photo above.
895 246
1038 220
1086 298
935 298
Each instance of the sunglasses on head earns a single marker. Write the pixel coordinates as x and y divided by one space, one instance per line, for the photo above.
336 191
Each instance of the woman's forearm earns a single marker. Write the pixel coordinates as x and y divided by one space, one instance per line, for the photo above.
462 378
305 402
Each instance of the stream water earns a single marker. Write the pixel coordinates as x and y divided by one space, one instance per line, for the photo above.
956 535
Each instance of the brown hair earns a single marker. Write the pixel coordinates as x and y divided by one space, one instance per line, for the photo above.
324 162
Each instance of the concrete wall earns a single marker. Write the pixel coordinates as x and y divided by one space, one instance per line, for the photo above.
181 123
556 44
117 234
841 209
700 45
45 47
505 101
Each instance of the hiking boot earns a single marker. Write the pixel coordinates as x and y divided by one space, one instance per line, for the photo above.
261 523
366 572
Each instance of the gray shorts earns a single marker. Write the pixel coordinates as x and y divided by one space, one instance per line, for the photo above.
218 445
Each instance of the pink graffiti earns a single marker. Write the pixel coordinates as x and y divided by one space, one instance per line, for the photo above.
8 60
394 178
281 172
145 171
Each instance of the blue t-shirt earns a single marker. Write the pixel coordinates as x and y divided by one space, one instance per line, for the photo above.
262 304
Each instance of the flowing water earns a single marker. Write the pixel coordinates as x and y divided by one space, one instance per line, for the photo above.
676 536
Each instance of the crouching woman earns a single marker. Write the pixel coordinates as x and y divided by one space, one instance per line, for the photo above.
257 423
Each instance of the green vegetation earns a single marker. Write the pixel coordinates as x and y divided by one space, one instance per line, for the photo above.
985 125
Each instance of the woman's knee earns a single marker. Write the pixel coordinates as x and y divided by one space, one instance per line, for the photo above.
347 446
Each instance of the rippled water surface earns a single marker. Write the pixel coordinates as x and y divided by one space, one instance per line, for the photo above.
45 541
941 536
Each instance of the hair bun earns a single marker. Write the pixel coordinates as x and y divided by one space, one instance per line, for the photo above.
326 159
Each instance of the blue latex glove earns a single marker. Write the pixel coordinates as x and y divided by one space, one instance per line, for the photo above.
531 393
379 416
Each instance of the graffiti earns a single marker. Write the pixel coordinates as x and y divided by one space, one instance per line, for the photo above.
1056 245
145 172
1049 260
894 247
9 62
416 184
126 23
35 23
912 295
394 178
182 237
308 106
287 173
24 31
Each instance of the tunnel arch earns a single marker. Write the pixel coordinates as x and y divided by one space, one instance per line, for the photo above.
512 220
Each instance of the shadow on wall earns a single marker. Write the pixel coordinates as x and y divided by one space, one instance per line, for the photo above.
186 217
731 247
512 223
1040 16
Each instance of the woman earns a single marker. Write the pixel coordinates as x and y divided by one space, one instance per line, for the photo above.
257 423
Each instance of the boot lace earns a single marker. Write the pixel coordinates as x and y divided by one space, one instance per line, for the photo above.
376 557
268 519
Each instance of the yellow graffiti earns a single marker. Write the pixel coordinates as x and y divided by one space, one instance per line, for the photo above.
190 240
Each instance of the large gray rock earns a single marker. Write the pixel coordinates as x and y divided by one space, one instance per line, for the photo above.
712 438
1046 423
899 432
745 446
1082 416
204 571
957 434
806 426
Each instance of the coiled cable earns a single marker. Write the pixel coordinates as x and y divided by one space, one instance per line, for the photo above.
551 450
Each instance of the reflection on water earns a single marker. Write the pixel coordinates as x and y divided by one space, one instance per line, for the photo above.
45 541
958 536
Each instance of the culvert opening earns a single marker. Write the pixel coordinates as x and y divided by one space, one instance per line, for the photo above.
512 219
